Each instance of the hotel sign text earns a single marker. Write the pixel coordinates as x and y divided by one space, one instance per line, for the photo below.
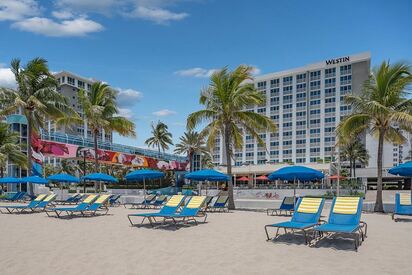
337 60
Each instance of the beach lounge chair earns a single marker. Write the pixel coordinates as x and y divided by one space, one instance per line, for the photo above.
207 202
44 203
220 204
190 211
344 218
159 201
80 208
71 200
286 206
306 215
14 197
98 205
19 208
403 205
114 200
144 204
171 207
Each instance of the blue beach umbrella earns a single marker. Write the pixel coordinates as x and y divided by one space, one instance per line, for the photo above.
207 175
294 173
10 180
63 178
100 177
142 175
34 180
404 170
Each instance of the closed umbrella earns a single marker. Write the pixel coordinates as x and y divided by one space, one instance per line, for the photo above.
293 173
142 175
404 170
63 178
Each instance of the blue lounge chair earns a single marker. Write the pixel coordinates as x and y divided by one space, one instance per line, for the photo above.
20 208
144 204
114 200
403 205
190 211
220 204
159 201
171 207
306 215
286 206
98 205
44 203
71 200
70 211
18 196
344 218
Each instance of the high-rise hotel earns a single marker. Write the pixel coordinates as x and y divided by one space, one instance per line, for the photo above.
306 104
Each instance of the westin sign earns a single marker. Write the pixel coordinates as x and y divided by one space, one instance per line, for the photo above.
337 60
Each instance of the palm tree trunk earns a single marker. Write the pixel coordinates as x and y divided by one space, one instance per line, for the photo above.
379 203
96 155
1 172
190 157
229 169
29 152
354 169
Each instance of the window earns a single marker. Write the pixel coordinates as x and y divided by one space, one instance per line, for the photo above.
300 160
331 72
301 141
300 123
287 80
274 92
328 149
314 102
70 80
330 92
261 85
315 93
314 150
300 151
345 108
287 106
301 87
330 119
315 75
300 78
330 110
301 104
274 153
261 110
314 140
287 134
345 89
329 139
344 80
80 84
274 83
287 152
346 69
315 131
329 129
315 112
287 97
300 132
300 114
330 82
314 121
314 85
274 117
274 100
274 143
274 108
287 88
250 154
301 95
287 124
287 142
288 115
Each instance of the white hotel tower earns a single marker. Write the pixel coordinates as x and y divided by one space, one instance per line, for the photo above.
306 104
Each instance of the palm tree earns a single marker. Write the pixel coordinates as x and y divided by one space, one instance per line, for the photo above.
225 99
354 152
191 143
382 109
161 137
101 113
10 149
68 167
36 97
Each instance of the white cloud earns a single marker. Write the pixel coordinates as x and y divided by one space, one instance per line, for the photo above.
158 15
126 112
18 9
205 73
164 112
128 97
196 72
48 27
62 14
99 6
7 79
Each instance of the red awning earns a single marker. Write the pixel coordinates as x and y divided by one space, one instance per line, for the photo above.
335 177
263 177
243 179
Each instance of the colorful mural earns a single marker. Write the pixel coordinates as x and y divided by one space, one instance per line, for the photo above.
43 148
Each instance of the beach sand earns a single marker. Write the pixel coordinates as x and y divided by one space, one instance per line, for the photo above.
229 243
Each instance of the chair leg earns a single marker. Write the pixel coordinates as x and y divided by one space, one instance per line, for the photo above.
267 234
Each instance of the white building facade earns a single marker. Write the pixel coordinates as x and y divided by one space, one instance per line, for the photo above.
306 104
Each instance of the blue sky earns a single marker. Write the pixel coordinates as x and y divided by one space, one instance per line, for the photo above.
159 53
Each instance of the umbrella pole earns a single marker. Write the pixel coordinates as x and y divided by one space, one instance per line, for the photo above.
144 189
61 191
294 192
